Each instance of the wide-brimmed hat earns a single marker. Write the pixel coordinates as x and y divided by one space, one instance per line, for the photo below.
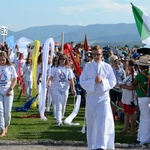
112 58
143 61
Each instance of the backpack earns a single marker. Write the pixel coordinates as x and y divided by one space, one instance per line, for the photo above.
147 92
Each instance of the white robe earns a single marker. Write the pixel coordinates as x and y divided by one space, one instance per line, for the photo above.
99 118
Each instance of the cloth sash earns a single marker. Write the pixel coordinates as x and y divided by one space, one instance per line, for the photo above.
42 97
19 66
69 119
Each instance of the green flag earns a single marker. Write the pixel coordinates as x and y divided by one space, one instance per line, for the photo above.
143 24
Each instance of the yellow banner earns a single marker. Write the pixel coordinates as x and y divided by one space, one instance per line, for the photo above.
34 71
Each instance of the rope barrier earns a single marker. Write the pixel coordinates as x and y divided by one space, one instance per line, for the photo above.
121 109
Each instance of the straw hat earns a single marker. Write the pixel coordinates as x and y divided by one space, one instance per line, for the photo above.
143 61
112 58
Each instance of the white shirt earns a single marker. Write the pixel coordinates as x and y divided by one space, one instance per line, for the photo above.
27 69
128 95
7 73
61 76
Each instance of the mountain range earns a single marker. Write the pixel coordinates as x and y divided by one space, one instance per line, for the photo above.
102 34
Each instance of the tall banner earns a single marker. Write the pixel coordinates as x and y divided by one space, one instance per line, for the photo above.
68 48
34 71
86 45
48 46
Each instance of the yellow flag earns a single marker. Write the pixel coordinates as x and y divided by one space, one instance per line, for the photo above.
34 71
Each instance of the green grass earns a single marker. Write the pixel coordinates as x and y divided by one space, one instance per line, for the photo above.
36 129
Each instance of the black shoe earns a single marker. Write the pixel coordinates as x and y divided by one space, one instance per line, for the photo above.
137 142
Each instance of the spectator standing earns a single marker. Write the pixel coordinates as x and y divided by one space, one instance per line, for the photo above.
141 81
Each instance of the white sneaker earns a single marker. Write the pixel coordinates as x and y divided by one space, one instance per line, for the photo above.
47 110
59 124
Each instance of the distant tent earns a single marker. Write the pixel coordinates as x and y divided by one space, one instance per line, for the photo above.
23 42
10 41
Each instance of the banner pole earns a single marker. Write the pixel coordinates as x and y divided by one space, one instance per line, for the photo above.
62 43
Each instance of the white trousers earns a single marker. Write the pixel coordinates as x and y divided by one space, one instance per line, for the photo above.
28 88
49 101
144 126
5 110
60 100
100 122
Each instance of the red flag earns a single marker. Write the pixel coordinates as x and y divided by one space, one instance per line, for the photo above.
76 66
86 46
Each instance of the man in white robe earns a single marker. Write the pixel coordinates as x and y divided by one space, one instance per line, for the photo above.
97 79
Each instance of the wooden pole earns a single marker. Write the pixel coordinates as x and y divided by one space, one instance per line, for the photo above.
62 43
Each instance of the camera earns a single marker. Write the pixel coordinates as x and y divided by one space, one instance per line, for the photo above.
132 104
86 60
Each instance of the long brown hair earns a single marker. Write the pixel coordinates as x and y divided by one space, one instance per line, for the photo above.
29 57
131 63
8 62
66 60
54 60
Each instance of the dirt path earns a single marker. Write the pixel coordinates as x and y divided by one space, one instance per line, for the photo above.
26 145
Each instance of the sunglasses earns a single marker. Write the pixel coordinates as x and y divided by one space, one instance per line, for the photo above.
55 60
62 59
94 54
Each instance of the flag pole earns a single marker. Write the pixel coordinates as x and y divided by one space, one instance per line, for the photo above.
62 43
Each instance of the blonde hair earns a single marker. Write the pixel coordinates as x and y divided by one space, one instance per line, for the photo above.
97 47
4 54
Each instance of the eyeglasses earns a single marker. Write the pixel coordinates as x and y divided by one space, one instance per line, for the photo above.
62 59
94 54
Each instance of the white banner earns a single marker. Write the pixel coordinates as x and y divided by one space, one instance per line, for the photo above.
69 119
42 97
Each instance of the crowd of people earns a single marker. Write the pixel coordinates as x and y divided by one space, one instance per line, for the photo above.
109 79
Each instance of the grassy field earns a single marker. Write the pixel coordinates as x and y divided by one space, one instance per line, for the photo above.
28 126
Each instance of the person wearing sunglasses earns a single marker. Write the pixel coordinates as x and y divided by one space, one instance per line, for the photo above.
97 79
61 78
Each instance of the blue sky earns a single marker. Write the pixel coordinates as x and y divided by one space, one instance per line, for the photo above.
22 14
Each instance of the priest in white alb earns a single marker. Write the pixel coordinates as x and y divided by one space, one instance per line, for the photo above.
97 79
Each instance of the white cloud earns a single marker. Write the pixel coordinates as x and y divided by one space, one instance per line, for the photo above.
104 5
